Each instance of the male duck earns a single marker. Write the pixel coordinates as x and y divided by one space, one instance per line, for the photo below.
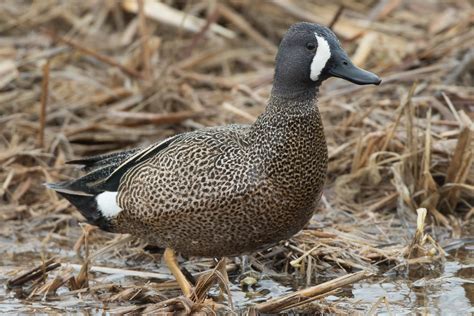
226 190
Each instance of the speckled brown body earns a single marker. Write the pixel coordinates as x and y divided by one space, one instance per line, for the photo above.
230 190
233 189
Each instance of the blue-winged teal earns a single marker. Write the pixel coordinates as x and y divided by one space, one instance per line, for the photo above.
226 190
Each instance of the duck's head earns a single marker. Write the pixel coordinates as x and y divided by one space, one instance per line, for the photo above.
309 54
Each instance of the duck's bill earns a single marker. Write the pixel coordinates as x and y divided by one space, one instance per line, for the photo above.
345 69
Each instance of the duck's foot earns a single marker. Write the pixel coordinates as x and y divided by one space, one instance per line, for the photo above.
172 263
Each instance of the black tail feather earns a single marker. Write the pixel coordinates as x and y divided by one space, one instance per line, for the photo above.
85 203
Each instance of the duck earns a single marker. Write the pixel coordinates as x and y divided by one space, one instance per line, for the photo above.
228 190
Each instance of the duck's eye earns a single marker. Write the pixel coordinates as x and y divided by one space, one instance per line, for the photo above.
310 46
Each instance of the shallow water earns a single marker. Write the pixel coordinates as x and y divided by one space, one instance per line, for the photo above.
448 290
452 291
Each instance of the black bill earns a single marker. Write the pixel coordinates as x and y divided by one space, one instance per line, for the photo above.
343 68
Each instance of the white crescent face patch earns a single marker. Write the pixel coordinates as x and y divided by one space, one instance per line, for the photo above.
320 58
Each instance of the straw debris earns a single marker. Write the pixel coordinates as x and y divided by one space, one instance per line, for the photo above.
84 77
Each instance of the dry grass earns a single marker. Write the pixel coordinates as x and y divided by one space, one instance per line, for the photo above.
86 77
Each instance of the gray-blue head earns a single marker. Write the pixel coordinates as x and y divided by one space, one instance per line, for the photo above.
309 54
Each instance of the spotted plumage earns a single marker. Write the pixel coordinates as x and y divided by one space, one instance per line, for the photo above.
226 190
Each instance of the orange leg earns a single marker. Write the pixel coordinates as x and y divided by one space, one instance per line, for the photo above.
172 263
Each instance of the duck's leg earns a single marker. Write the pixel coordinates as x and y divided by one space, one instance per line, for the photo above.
172 263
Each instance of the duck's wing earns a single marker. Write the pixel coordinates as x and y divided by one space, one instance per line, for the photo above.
95 194
96 162
104 174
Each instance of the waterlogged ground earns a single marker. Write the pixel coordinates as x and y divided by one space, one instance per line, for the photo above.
447 290
392 147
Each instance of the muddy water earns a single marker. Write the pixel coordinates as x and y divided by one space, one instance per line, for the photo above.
449 290
444 292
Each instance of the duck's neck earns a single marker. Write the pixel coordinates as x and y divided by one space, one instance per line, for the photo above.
288 143
292 103
291 126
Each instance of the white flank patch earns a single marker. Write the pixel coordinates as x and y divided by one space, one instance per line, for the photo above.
321 58
107 204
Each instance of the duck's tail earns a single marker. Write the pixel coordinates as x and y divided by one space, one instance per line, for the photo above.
95 194
88 204
93 197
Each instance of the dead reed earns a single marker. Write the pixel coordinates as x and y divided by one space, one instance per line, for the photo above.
85 77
